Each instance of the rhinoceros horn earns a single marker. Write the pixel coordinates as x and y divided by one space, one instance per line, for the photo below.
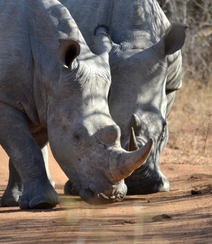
123 164
136 124
132 142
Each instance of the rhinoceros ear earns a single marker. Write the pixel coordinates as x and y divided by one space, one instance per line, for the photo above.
174 39
67 53
102 41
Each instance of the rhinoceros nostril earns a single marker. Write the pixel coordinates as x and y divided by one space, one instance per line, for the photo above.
70 188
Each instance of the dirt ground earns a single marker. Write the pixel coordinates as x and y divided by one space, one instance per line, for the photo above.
183 215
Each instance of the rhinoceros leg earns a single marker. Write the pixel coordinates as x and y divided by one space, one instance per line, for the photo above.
14 188
146 181
45 157
26 156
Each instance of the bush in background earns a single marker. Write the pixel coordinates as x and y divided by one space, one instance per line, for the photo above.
197 51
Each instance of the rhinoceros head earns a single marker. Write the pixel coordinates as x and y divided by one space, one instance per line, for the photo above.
83 137
139 99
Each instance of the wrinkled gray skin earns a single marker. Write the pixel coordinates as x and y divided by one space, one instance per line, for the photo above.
57 92
146 72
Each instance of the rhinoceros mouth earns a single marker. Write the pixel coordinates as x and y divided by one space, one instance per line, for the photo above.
93 196
146 182
95 199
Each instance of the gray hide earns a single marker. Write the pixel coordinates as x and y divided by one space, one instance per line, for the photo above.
53 88
146 72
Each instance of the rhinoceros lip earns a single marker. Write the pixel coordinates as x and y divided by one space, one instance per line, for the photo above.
97 193
113 197
94 199
101 196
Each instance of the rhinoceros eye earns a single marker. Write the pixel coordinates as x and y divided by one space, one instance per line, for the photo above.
78 136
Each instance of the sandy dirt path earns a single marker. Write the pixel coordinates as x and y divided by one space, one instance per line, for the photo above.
183 215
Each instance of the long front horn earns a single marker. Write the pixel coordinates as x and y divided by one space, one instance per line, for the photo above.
123 163
132 141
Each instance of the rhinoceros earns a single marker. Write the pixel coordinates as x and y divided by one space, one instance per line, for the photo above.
53 88
145 66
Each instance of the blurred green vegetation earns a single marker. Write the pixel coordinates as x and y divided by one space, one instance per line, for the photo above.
197 51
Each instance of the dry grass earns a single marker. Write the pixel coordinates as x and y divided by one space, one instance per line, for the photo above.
197 51
190 124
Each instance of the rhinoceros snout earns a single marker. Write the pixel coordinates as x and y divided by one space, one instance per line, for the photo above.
144 183
163 184
91 197
70 189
